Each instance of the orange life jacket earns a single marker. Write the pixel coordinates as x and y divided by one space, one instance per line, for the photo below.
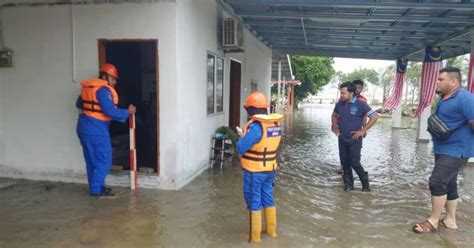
362 98
262 156
90 104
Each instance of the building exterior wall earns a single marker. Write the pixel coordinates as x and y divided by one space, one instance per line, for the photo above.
2 143
198 35
57 46
39 136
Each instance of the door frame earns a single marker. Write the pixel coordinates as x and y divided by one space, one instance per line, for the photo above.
102 52
232 108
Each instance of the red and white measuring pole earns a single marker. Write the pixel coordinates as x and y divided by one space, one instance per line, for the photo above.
133 154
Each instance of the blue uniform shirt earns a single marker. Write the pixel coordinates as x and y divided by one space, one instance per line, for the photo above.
457 111
351 114
93 126
251 137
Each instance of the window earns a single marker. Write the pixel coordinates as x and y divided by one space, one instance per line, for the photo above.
215 84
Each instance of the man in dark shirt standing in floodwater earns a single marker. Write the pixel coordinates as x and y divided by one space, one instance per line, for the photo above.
350 132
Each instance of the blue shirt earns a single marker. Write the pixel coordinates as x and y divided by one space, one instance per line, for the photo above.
351 114
93 126
251 137
457 111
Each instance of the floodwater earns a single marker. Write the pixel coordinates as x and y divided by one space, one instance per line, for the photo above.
313 209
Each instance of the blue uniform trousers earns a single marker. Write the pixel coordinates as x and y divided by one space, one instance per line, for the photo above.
258 189
98 155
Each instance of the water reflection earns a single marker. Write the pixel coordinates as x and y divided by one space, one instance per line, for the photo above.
313 210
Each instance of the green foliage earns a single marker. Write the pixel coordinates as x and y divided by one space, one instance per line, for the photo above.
365 74
412 80
387 79
462 62
313 72
229 132
374 102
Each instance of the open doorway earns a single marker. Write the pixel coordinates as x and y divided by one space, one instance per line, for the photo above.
234 96
137 65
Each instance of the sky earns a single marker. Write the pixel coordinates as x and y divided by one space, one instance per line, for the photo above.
348 65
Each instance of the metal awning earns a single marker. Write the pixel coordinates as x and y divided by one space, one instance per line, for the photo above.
370 29
286 72
10 3
376 29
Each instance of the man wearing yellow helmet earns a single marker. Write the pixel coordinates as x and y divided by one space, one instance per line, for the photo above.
258 145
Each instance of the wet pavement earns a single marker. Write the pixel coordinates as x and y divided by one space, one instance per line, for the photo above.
313 209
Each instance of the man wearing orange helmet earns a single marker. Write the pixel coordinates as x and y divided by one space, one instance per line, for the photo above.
258 145
98 103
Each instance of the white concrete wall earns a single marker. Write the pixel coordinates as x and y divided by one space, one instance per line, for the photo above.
39 131
2 92
256 66
196 36
39 126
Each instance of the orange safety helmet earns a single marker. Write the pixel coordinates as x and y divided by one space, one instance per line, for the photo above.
257 100
110 70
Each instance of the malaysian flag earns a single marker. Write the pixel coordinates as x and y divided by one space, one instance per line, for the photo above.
470 78
395 97
429 75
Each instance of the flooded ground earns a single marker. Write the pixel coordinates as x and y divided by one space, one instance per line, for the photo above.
313 209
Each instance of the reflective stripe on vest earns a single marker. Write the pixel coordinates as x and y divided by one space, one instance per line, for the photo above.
262 156
90 104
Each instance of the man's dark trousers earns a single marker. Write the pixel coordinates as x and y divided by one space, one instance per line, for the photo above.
349 154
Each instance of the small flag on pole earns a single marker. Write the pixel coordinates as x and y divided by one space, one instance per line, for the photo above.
429 75
395 97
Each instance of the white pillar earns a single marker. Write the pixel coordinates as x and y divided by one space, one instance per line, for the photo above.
278 103
471 160
2 140
397 117
283 93
423 135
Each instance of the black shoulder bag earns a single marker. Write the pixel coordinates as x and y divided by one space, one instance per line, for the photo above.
438 128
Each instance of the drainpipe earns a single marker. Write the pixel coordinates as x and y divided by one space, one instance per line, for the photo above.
73 46
1 29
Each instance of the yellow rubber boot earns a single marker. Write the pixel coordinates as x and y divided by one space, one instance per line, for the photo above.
271 221
256 226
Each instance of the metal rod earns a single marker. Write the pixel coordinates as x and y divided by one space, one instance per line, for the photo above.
304 31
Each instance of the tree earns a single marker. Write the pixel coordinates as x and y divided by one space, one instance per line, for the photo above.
367 75
412 80
313 72
461 62
387 79
336 81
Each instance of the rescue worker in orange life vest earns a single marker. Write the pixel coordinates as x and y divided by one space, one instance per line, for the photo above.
258 146
98 103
